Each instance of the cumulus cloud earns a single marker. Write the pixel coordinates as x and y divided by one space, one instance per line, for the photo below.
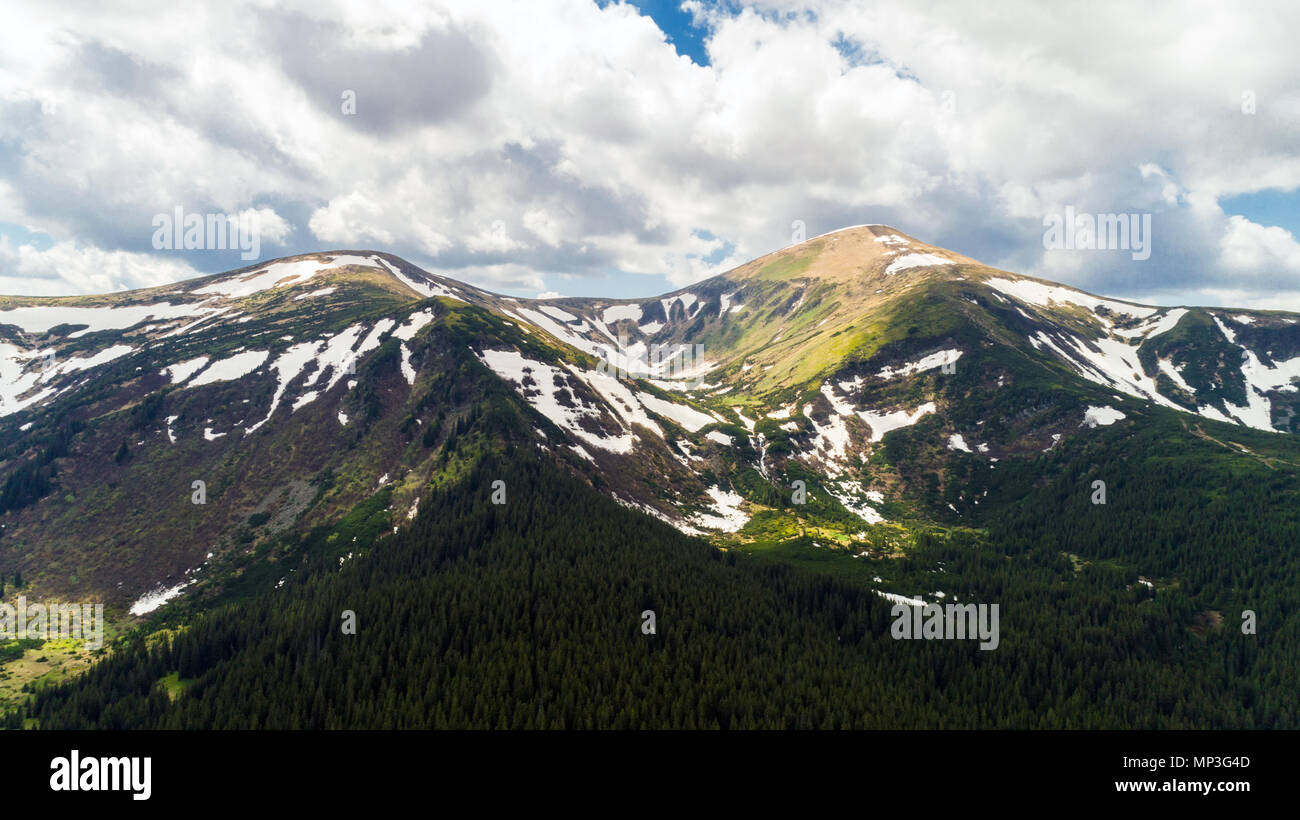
1250 247
352 219
270 226
67 267
510 144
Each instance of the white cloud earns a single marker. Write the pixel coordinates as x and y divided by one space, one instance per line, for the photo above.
26 270
558 137
271 227
1251 247
351 219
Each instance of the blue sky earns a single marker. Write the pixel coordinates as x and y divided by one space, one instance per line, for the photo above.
614 149
677 25
1271 207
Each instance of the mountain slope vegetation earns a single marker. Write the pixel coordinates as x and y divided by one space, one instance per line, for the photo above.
510 616
769 457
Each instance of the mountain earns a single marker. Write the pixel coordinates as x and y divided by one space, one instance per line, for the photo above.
794 365
860 404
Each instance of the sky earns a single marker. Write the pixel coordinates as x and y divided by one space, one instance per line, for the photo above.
571 147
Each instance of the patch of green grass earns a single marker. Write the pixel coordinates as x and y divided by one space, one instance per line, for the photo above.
789 267
173 685
820 555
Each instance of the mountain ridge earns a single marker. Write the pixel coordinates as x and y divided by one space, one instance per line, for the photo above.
700 407
739 270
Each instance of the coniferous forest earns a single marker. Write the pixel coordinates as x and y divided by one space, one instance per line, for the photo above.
528 615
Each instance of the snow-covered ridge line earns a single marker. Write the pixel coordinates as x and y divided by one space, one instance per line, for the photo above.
280 275
1112 359
1041 295
842 230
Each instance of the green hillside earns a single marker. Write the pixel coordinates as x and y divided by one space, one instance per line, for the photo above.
486 616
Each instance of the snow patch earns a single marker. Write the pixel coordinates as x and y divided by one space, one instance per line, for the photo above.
150 601
1175 373
1104 416
1155 326
900 599
726 514
544 388
687 300
688 417
181 371
848 493
287 366
554 312
40 318
943 357
915 260
407 370
430 288
413 325
304 400
615 313
235 367
882 423
749 423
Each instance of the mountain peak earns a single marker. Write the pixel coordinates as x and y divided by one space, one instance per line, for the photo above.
850 255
